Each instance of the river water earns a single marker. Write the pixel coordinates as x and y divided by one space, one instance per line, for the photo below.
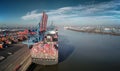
86 52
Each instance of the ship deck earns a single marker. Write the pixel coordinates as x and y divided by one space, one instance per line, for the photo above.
47 55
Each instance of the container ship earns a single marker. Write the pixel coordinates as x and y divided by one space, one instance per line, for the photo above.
44 50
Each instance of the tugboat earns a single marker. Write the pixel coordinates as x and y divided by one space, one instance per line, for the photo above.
45 50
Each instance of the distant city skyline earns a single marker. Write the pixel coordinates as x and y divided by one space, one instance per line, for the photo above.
61 12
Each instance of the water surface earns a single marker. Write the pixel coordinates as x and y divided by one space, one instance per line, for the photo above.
86 52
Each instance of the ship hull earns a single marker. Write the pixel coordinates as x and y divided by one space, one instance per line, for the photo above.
42 61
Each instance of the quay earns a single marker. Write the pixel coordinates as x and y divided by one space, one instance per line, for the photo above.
15 58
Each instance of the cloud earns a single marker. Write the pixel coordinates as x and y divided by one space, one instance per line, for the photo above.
31 15
115 12
106 10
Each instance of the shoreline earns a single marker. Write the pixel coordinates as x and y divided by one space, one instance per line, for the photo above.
93 31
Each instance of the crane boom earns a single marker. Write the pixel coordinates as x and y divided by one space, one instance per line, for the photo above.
43 23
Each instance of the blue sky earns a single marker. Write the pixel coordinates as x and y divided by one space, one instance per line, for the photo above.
61 12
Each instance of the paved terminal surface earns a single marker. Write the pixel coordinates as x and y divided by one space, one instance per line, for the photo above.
15 58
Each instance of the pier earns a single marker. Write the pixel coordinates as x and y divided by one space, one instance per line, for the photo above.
15 58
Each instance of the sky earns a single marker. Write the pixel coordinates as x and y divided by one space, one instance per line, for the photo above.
61 12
